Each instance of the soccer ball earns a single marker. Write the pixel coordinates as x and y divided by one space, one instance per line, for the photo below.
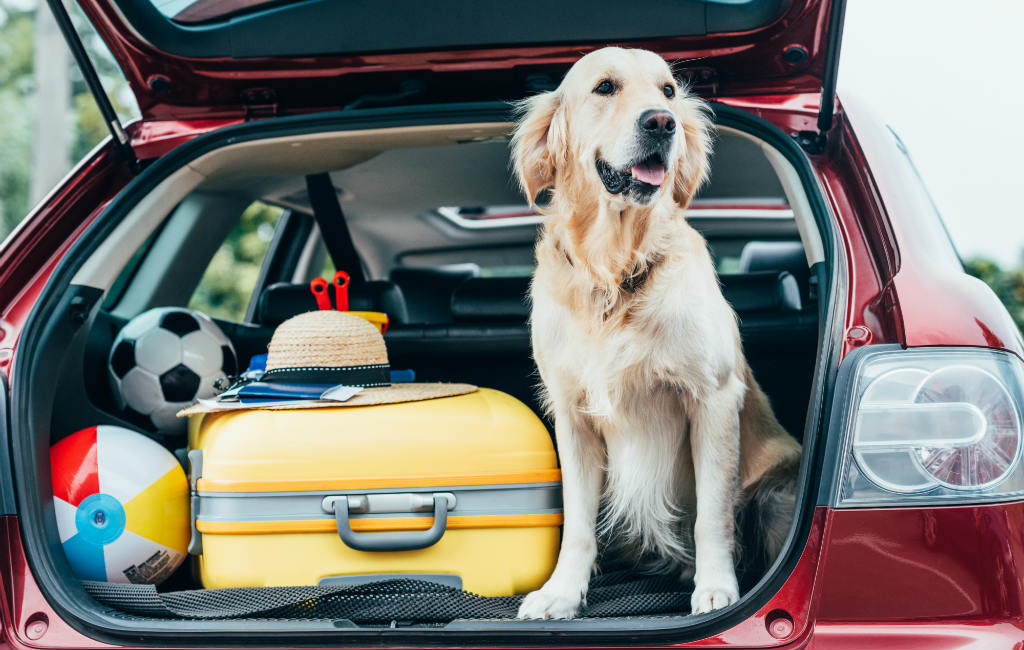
163 360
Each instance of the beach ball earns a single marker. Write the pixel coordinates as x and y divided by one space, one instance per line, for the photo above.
122 505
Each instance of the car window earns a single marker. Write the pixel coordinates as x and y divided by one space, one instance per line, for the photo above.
923 191
201 11
227 285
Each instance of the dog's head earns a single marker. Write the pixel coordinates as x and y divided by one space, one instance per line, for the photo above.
619 123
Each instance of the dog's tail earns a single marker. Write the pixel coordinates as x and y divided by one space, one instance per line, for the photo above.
773 500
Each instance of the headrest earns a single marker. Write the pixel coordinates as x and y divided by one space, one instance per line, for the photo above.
762 291
405 275
773 256
282 300
507 299
492 299
428 292
777 256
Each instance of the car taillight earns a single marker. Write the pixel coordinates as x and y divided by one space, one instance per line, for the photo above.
932 425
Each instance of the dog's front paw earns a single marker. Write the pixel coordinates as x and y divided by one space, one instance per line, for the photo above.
708 598
548 603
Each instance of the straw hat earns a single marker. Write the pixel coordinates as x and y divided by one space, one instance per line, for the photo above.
334 347
328 347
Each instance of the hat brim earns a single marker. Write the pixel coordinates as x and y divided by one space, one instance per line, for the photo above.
393 394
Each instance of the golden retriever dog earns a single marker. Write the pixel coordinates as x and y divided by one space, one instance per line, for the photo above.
659 423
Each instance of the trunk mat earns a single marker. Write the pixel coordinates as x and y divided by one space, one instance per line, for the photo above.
620 593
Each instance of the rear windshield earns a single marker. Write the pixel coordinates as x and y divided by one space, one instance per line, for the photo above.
189 12
255 28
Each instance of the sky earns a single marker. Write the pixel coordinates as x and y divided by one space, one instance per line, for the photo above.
948 76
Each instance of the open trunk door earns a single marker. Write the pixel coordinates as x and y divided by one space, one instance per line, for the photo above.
197 59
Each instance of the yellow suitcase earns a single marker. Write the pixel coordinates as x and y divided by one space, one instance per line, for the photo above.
464 490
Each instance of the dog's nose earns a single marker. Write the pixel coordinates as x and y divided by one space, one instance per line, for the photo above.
657 121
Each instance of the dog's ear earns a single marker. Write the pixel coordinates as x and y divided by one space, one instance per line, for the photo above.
692 164
538 143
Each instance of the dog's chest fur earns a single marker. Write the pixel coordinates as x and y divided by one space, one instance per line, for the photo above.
633 372
665 332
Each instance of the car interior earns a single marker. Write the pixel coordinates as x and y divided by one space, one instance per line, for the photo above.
445 242
457 295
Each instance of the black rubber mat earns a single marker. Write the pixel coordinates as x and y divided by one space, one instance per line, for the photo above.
621 593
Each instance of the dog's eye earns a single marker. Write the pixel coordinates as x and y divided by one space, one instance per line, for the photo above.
605 88
669 90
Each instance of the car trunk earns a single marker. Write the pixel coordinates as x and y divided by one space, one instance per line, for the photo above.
414 89
58 361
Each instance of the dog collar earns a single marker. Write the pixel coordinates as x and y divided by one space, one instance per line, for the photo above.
636 280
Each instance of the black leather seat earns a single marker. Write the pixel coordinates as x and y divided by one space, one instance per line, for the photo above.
282 300
507 299
428 292
491 299
488 342
496 355
486 339
782 346
789 256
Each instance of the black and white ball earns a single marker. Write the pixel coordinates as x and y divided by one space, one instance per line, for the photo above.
164 359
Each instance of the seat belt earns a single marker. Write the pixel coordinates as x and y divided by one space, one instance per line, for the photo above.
323 198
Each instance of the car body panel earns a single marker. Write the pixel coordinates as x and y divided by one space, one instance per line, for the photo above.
186 86
917 564
152 139
898 577
922 262
25 603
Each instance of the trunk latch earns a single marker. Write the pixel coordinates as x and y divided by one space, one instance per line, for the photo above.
260 103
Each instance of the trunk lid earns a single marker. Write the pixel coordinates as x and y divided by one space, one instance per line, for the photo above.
195 59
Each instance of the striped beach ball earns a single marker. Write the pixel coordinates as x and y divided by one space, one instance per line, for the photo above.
122 505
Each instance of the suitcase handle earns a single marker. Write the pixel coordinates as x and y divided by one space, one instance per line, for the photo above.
382 542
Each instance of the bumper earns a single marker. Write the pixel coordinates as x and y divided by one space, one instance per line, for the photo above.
890 578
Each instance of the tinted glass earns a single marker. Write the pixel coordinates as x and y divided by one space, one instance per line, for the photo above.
228 283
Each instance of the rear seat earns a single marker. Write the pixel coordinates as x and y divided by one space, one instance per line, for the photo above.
497 299
491 299
777 256
428 292
782 346
485 339
488 342
281 301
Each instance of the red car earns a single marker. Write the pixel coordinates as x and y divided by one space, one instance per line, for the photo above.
902 376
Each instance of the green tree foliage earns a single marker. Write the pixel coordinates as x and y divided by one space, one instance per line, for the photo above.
229 280
1007 284
17 87
16 33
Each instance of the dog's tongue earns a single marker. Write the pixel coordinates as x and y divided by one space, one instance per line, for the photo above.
650 174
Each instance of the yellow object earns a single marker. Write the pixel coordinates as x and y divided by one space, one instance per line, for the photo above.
378 318
161 513
299 485
265 478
